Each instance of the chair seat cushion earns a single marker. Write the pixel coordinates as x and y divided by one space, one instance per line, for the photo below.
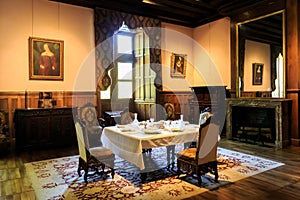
101 152
189 153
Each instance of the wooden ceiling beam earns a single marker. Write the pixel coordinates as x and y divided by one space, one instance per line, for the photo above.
190 13
184 7
204 4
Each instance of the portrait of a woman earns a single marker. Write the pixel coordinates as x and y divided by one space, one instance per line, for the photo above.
45 59
178 67
178 63
48 65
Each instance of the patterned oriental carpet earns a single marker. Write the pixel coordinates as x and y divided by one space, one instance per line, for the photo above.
58 179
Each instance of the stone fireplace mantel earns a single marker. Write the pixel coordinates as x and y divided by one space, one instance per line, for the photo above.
281 119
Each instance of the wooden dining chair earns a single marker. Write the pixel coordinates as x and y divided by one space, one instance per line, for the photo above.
94 124
201 159
127 117
99 159
203 116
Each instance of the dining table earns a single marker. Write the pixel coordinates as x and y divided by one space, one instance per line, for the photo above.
128 141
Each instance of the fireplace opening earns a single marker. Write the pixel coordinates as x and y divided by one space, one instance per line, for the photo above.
253 125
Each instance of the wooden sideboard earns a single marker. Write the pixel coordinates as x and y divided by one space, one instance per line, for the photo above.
258 113
212 97
41 127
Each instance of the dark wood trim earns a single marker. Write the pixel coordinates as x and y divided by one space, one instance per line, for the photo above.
11 100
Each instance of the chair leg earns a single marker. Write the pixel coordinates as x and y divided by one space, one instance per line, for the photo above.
79 167
199 176
198 171
215 167
199 180
85 178
103 167
112 173
86 171
178 169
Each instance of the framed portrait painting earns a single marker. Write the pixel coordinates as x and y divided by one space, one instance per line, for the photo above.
46 61
257 71
178 65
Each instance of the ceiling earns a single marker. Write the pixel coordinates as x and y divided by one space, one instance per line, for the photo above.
190 13
193 13
267 30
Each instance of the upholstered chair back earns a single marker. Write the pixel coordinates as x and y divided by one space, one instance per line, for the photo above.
208 143
81 140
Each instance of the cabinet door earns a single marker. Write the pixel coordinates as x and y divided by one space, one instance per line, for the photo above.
68 130
63 131
37 130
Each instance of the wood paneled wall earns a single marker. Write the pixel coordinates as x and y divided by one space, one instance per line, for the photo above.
180 100
9 101
292 66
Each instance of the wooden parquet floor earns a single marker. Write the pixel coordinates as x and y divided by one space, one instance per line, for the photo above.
280 183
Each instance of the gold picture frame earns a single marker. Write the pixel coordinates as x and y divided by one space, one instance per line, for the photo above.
257 70
178 65
46 59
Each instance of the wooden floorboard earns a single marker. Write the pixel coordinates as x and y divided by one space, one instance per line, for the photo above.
280 183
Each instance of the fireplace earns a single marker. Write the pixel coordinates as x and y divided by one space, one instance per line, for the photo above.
263 120
254 125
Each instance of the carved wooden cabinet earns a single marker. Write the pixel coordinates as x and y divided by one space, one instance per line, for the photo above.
212 97
37 128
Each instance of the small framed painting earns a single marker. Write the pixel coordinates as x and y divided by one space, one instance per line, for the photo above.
257 70
46 61
178 65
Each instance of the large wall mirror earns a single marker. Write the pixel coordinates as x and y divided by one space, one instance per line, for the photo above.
260 49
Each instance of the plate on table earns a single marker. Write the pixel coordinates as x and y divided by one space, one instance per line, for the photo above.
125 129
175 129
152 131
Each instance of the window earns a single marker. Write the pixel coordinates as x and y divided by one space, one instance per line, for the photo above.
144 75
124 80
123 70
132 76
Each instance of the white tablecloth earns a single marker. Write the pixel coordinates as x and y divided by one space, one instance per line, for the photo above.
130 144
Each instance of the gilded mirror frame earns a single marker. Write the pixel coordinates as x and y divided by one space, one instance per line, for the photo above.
240 82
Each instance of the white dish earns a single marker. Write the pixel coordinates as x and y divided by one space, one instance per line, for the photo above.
176 129
152 131
125 129
131 132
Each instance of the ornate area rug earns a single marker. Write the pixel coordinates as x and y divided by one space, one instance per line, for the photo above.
58 179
